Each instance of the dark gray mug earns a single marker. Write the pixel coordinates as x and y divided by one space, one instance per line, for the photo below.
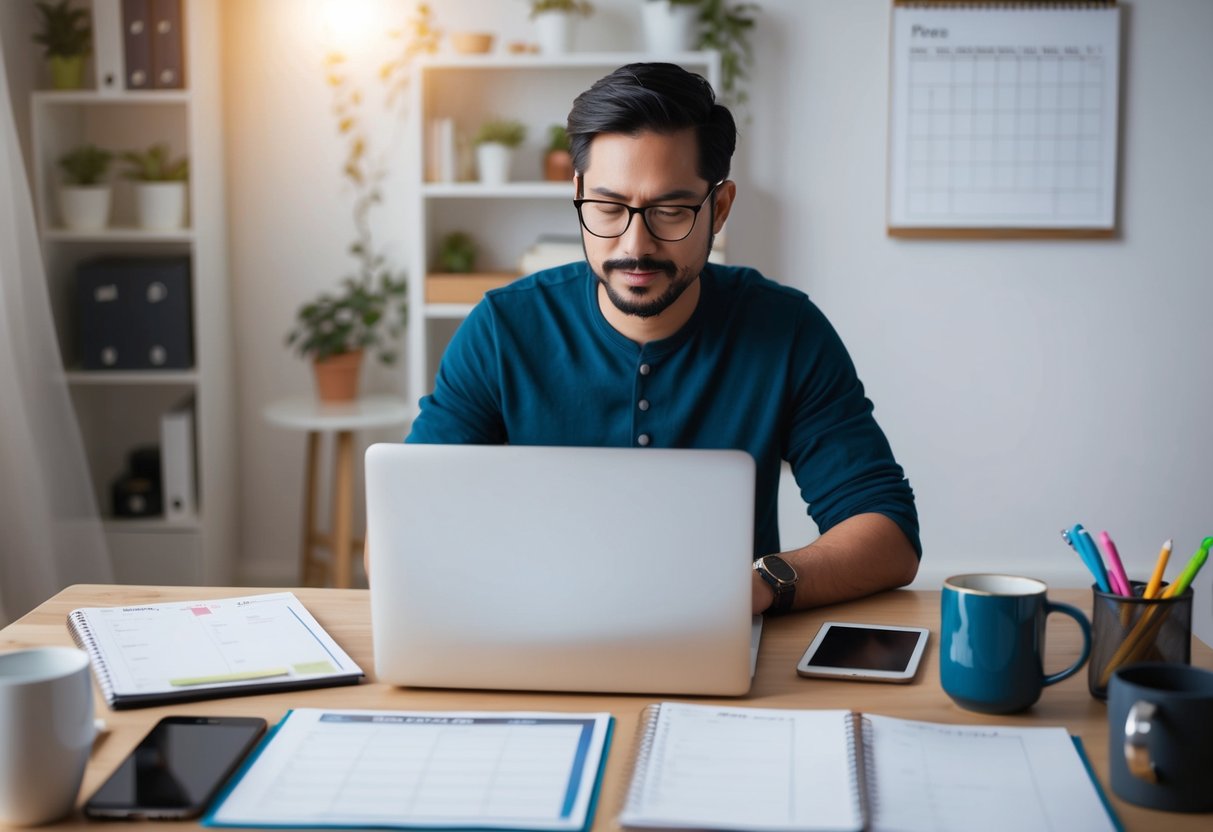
1160 736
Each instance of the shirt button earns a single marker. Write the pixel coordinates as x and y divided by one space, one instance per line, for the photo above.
642 440
643 404
644 369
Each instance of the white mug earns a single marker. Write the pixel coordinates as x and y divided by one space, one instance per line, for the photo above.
46 720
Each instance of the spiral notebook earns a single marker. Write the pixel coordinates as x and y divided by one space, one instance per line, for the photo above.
153 654
766 770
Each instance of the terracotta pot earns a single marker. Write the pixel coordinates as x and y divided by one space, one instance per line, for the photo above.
337 377
558 166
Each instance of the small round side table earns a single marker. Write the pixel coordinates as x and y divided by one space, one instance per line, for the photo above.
316 417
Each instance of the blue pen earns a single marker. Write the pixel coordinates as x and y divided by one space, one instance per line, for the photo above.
1078 550
1084 542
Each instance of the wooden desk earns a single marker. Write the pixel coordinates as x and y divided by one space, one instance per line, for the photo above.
345 613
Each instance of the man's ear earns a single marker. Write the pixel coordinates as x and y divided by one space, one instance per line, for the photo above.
722 204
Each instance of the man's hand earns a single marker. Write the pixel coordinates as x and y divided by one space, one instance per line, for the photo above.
761 595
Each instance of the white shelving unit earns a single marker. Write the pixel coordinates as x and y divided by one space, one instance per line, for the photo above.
119 410
504 220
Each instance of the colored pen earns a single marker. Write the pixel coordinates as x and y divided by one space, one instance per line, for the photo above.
1082 539
1159 568
1116 568
1086 561
1185 578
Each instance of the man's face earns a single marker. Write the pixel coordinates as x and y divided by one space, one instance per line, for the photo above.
641 274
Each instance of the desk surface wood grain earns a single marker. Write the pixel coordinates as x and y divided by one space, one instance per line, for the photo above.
345 613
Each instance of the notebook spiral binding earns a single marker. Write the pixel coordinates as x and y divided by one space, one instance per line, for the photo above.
83 636
1009 5
646 734
862 771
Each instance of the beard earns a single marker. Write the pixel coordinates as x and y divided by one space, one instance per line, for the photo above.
640 301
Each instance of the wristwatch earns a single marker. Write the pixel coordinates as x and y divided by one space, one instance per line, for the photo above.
781 577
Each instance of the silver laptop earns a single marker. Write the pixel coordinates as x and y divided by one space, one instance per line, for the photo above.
622 570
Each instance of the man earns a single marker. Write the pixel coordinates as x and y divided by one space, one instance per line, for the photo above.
646 344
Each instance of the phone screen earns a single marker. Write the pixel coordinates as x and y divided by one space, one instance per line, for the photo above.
177 768
866 649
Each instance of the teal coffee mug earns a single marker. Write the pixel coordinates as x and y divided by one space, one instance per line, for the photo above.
992 641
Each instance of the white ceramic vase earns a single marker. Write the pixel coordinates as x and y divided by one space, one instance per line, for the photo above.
493 163
668 28
85 207
554 31
160 206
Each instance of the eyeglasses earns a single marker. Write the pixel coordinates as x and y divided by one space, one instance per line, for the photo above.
668 223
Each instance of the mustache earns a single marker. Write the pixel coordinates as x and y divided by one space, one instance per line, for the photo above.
641 264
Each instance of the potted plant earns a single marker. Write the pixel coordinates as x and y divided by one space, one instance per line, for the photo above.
672 26
495 142
335 329
558 161
554 23
159 187
65 36
84 196
457 254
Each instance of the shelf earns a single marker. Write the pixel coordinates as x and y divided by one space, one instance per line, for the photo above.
454 311
93 97
510 190
150 525
126 377
119 235
606 60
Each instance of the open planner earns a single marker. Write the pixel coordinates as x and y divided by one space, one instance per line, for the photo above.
708 767
325 768
153 654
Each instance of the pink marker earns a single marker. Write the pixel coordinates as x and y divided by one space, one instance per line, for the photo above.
1115 568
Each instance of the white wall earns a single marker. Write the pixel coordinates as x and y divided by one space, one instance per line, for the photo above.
1025 385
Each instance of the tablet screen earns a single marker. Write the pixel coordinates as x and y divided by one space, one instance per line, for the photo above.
865 648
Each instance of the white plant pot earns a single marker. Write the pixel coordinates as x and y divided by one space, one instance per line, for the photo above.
160 206
84 207
554 31
493 163
668 29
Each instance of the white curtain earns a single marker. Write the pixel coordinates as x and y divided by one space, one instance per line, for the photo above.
50 533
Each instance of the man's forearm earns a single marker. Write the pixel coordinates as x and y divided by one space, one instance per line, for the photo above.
862 555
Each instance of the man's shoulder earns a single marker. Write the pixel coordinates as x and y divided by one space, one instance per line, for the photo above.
749 288
555 283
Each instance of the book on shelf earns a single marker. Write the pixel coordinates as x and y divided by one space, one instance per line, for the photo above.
549 251
155 654
326 768
733 768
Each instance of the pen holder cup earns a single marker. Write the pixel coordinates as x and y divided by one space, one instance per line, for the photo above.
1127 630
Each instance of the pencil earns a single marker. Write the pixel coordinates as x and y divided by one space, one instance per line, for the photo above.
1159 568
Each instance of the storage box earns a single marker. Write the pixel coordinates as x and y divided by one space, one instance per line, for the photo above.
134 314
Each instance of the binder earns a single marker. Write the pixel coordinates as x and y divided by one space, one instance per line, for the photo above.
137 44
789 770
167 45
178 463
108 46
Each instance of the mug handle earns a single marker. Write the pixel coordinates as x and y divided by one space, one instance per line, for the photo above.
1085 626
1137 741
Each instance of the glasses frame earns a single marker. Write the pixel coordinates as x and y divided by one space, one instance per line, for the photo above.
633 211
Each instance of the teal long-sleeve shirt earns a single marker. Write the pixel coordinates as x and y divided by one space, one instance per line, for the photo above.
757 368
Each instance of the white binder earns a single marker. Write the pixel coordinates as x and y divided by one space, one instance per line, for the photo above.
107 46
177 463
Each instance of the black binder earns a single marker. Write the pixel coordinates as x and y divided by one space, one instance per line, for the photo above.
137 43
168 67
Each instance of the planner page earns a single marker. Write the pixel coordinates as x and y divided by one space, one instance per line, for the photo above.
341 768
706 767
936 777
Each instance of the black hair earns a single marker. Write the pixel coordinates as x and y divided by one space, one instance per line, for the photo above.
658 97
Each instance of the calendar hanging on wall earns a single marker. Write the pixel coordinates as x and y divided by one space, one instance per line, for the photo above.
1003 119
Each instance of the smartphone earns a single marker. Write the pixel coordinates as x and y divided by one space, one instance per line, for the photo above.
865 652
177 769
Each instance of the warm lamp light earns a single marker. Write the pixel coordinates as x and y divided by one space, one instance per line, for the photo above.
350 25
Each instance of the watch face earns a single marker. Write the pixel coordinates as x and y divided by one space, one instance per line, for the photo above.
779 569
